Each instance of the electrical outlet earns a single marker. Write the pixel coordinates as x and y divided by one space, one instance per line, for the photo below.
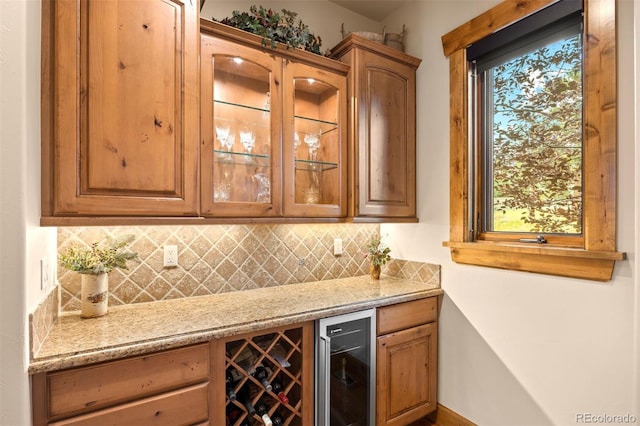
170 256
337 246
45 278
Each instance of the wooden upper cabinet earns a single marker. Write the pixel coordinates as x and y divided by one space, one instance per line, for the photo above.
241 115
273 127
315 142
120 108
382 123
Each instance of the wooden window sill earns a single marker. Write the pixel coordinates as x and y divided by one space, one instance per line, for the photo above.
539 258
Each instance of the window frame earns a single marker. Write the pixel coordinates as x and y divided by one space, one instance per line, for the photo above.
594 257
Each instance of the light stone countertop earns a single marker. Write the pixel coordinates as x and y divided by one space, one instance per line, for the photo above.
148 327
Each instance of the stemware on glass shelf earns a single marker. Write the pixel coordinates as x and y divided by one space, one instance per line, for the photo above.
313 142
296 142
312 194
222 133
264 188
248 140
222 191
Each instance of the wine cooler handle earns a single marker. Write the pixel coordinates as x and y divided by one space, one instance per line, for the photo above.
325 350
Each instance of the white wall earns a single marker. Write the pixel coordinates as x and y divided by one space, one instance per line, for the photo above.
22 242
516 348
519 348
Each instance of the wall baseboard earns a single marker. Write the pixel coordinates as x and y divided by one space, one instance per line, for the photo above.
444 416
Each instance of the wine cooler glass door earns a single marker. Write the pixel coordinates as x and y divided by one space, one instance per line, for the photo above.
346 370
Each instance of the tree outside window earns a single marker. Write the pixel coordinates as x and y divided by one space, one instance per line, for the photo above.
533 141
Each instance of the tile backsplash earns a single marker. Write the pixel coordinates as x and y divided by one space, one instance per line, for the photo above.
222 258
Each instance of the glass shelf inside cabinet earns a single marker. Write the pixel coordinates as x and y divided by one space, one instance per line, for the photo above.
315 166
261 113
244 158
314 126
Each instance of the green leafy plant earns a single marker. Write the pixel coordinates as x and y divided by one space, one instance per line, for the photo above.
377 252
99 257
275 27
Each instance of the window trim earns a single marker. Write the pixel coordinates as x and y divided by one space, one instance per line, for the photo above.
596 259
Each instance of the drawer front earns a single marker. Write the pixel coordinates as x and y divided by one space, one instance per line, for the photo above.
182 407
405 315
98 386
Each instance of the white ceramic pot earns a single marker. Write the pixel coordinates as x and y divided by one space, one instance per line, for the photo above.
94 295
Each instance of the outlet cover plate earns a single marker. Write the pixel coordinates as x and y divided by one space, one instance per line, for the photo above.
170 256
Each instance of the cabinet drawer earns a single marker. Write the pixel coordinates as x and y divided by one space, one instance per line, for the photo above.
182 407
406 315
99 386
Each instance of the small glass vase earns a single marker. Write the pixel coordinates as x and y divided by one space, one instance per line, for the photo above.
374 271
94 295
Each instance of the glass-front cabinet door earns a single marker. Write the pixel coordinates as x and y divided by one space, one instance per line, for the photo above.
240 129
314 142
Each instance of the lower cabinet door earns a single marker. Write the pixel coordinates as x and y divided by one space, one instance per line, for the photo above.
182 407
406 375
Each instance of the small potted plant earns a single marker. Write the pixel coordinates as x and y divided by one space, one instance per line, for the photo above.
378 255
94 264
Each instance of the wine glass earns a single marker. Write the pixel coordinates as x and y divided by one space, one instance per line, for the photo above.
222 133
248 140
228 145
313 142
296 141
264 187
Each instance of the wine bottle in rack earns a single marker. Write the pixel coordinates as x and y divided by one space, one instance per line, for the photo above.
263 375
278 389
279 354
247 359
233 413
263 412
229 383
245 399
277 419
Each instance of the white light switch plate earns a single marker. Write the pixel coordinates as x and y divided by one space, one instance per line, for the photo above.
337 246
45 279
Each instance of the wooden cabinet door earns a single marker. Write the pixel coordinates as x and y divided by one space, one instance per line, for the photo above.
406 375
386 145
382 137
314 142
241 115
123 133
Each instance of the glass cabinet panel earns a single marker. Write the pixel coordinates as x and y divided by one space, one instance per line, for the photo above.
240 103
316 186
316 156
242 125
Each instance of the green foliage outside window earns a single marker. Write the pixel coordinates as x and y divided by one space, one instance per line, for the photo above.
537 140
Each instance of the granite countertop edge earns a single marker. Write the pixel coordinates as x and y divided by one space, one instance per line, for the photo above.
58 356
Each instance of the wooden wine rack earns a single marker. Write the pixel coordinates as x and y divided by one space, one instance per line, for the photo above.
287 355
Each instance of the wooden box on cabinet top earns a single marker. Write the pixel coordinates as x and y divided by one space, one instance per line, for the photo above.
407 361
382 130
119 108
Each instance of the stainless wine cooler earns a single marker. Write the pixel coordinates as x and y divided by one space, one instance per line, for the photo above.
345 370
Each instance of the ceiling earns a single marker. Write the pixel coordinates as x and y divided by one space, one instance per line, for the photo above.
376 10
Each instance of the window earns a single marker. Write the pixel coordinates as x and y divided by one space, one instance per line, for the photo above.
526 91
533 138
